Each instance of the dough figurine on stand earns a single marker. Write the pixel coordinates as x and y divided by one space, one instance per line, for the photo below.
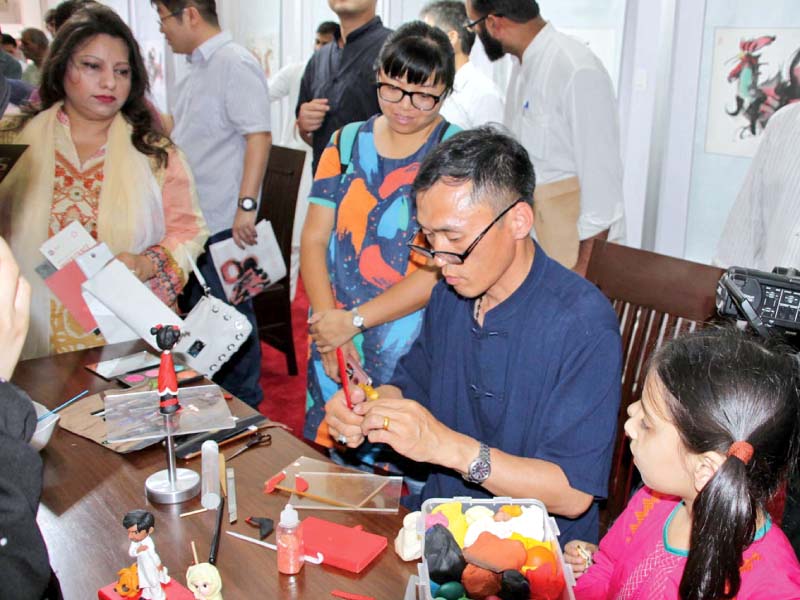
154 583
166 338
152 573
204 581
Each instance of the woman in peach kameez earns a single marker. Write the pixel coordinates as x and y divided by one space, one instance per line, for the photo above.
95 158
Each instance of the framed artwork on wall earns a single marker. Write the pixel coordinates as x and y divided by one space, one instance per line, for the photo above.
749 68
754 72
10 11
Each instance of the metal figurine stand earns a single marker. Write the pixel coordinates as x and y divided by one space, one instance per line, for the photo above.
172 485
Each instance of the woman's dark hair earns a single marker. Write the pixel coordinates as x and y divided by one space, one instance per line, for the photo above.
95 19
497 165
418 51
725 386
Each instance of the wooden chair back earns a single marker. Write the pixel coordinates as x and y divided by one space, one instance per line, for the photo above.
278 202
656 298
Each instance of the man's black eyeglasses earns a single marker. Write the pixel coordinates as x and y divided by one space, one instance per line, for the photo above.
419 100
472 24
456 258
172 14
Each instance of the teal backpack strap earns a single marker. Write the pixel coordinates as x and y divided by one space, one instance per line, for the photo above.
449 131
347 138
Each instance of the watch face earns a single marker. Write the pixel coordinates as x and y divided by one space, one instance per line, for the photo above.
247 204
479 471
358 321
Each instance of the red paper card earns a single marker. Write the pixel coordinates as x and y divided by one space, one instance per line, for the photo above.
66 286
349 548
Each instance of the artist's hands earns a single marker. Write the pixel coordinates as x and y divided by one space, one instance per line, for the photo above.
405 425
578 554
244 228
331 328
15 310
331 365
344 425
312 114
141 266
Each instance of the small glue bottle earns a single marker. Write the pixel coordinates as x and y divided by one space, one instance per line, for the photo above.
291 552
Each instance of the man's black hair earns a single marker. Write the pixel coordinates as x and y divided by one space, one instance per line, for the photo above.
497 165
519 11
330 28
206 8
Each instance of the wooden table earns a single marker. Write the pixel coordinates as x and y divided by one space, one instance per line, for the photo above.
88 489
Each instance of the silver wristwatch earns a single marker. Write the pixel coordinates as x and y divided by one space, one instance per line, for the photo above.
480 468
358 320
248 204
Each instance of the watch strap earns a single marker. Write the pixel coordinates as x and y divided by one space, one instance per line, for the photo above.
249 201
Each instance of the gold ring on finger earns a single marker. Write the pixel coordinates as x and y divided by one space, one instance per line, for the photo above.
386 423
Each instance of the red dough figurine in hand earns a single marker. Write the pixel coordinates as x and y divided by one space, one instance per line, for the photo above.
166 338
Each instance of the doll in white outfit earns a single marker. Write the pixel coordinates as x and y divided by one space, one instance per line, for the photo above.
152 573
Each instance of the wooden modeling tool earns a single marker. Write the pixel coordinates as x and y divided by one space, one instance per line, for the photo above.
193 512
223 480
194 552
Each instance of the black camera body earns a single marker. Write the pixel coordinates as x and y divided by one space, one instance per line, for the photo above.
771 300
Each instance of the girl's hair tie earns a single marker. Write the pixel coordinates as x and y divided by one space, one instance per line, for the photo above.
741 450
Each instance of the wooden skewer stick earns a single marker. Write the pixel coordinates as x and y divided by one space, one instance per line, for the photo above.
314 497
373 494
193 512
194 552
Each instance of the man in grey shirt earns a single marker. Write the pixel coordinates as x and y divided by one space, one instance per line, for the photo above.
221 121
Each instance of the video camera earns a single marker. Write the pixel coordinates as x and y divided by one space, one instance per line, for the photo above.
768 301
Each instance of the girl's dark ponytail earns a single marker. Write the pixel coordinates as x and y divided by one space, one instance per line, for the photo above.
726 387
712 569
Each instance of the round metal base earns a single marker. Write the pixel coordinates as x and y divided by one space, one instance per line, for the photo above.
159 491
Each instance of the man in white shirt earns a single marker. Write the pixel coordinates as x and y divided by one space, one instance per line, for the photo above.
763 227
475 99
560 104
222 123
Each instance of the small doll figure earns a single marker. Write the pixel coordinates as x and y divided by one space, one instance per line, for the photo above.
204 582
166 338
151 572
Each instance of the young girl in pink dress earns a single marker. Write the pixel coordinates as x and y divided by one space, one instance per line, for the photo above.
715 432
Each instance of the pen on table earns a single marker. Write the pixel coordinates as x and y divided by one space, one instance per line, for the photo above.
343 377
65 405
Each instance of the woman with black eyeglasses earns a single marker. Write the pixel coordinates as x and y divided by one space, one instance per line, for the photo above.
366 290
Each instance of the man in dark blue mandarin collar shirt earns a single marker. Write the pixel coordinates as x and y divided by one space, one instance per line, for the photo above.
337 86
513 386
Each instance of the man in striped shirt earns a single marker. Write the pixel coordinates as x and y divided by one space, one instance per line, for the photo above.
763 227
